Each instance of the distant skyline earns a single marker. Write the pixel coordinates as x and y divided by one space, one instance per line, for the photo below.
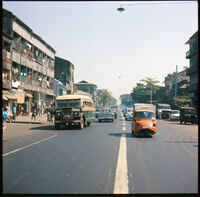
111 49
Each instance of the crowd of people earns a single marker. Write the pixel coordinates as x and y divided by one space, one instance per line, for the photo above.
35 112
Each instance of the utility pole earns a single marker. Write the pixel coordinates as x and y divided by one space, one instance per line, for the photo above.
151 94
176 81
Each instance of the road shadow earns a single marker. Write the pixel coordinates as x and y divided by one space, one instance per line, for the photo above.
129 135
185 142
45 127
52 127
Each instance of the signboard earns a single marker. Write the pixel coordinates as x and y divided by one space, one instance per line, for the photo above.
20 98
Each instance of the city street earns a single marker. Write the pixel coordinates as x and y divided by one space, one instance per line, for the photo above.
102 158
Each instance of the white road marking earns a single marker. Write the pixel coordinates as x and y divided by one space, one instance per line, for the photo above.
123 128
121 177
28 145
124 123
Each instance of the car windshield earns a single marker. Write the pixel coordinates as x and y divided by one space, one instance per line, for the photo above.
106 114
176 112
144 115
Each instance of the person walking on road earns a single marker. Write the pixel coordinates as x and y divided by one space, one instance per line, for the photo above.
34 113
5 117
51 113
14 112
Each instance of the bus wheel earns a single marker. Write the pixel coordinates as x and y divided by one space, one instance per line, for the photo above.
57 126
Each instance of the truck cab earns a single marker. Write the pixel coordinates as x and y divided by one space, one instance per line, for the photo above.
163 110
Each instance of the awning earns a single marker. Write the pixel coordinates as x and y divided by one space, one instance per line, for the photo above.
9 95
29 95
4 97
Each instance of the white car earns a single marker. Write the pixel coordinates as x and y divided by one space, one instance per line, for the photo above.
174 115
129 116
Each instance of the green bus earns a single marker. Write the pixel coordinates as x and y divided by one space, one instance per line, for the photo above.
74 110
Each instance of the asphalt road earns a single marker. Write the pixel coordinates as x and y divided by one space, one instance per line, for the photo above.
103 158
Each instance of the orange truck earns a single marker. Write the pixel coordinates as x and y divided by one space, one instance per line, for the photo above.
144 119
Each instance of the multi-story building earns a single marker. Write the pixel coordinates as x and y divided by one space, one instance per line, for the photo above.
87 87
183 82
64 72
32 63
59 88
192 71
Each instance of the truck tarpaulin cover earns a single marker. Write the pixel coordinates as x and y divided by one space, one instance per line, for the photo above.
144 106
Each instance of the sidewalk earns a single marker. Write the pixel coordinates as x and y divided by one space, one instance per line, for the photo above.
27 119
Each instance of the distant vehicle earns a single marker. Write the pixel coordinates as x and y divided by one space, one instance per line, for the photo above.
188 115
115 115
129 116
74 109
114 111
97 113
174 115
108 116
144 119
127 110
163 110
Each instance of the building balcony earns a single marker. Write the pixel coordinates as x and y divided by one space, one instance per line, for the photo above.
6 83
191 70
191 52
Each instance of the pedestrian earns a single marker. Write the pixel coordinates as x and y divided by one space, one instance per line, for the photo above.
34 113
14 112
5 117
51 113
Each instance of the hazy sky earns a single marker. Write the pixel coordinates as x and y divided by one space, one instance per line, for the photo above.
111 49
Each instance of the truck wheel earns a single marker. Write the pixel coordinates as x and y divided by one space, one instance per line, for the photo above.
57 126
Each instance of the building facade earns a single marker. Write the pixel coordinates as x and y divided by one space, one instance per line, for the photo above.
192 71
59 88
30 62
64 72
87 87
183 83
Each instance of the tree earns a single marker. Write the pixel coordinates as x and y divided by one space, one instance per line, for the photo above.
126 99
143 91
181 101
105 98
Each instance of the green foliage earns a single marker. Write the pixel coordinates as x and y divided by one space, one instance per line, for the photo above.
105 98
142 92
181 101
126 99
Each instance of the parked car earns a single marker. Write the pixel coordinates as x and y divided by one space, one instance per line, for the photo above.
108 116
174 115
188 115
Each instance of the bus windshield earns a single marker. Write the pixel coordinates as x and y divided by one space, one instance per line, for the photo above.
69 105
